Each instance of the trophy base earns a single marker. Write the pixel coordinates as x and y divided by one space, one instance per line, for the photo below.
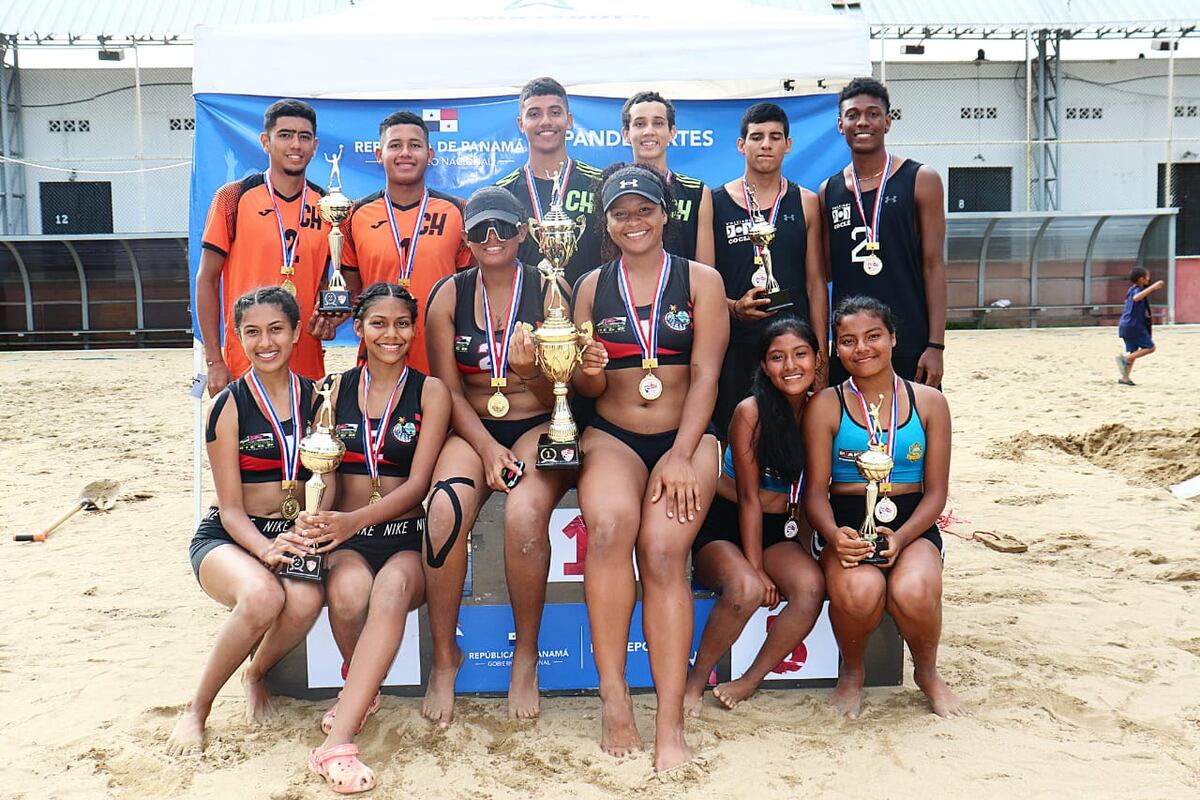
779 300
335 301
558 455
881 546
306 568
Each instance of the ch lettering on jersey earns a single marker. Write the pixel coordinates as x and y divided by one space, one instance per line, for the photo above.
579 200
683 210
839 215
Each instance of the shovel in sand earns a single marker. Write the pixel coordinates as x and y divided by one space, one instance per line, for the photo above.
100 495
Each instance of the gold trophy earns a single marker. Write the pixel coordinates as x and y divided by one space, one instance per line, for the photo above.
335 209
875 465
558 349
320 452
761 234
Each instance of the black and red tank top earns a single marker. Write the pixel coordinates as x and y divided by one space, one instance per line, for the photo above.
400 430
258 453
676 324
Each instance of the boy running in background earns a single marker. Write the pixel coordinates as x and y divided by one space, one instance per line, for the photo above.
1135 322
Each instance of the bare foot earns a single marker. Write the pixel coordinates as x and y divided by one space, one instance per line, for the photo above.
188 736
945 703
671 751
693 703
258 699
618 729
847 697
734 692
438 706
523 699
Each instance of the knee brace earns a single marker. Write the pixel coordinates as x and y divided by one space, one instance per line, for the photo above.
436 561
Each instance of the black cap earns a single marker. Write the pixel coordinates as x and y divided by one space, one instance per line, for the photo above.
632 180
492 202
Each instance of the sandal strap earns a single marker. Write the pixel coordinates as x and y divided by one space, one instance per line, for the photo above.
337 751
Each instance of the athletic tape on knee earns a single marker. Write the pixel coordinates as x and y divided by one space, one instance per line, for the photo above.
436 561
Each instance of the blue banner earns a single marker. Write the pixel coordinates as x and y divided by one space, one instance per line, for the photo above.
476 141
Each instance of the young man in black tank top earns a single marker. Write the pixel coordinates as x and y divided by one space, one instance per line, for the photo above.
648 126
902 263
796 252
544 119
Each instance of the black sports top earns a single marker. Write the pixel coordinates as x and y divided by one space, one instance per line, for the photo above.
735 256
676 324
901 284
472 350
258 452
685 216
400 433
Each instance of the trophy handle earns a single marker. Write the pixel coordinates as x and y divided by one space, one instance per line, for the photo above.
581 224
584 330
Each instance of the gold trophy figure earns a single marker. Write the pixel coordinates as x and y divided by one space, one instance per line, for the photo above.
558 348
762 233
875 465
320 452
335 209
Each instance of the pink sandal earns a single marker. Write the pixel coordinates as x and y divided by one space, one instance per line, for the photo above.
341 769
331 715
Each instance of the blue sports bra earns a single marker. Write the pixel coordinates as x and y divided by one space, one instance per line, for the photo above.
768 481
851 439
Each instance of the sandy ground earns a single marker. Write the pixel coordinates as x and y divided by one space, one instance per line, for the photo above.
1080 658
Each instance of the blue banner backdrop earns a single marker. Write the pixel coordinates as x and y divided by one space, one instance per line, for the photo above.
476 141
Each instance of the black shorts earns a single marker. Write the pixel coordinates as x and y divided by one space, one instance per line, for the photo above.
650 447
211 534
378 543
850 509
722 525
507 431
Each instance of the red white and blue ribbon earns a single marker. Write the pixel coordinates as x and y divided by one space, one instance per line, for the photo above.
872 224
875 436
289 446
500 353
647 340
372 440
794 492
407 259
563 177
289 253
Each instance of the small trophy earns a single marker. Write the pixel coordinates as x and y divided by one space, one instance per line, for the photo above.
761 234
335 209
320 452
875 465
558 347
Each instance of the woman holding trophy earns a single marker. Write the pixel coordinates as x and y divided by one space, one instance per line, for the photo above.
393 421
480 344
253 433
661 328
882 447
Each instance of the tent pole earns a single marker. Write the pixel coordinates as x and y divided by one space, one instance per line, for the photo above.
1028 122
883 55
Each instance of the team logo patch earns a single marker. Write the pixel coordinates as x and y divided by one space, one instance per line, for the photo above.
462 344
839 215
256 442
404 431
346 431
611 325
677 320
915 452
848 455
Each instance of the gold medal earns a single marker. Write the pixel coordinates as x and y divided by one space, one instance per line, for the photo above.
404 282
497 404
759 279
290 507
375 495
885 510
650 387
289 287
873 265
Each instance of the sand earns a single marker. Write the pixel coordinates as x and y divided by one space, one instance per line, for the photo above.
1079 658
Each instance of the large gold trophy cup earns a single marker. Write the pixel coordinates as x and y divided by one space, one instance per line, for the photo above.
335 209
321 453
762 233
875 465
558 348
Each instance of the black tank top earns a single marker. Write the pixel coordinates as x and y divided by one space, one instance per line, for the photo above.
901 284
472 350
258 453
735 256
611 318
685 216
400 432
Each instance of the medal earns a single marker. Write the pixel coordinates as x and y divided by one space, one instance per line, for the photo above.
791 528
759 279
407 259
536 201
650 387
885 510
288 446
289 253
751 207
872 264
372 440
497 404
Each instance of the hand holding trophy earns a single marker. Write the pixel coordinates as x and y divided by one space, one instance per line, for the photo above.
320 452
335 209
762 233
875 465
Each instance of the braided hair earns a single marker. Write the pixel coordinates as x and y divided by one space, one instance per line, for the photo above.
267 295
378 290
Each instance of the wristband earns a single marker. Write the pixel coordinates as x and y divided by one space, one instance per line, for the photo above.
936 346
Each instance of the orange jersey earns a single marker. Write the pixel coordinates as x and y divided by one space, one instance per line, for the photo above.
371 249
243 227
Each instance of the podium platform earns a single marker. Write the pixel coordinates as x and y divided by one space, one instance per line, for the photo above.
486 633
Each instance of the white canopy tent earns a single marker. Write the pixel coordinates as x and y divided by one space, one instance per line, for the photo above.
479 47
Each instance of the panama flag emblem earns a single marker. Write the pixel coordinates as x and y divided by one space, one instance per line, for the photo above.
441 120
